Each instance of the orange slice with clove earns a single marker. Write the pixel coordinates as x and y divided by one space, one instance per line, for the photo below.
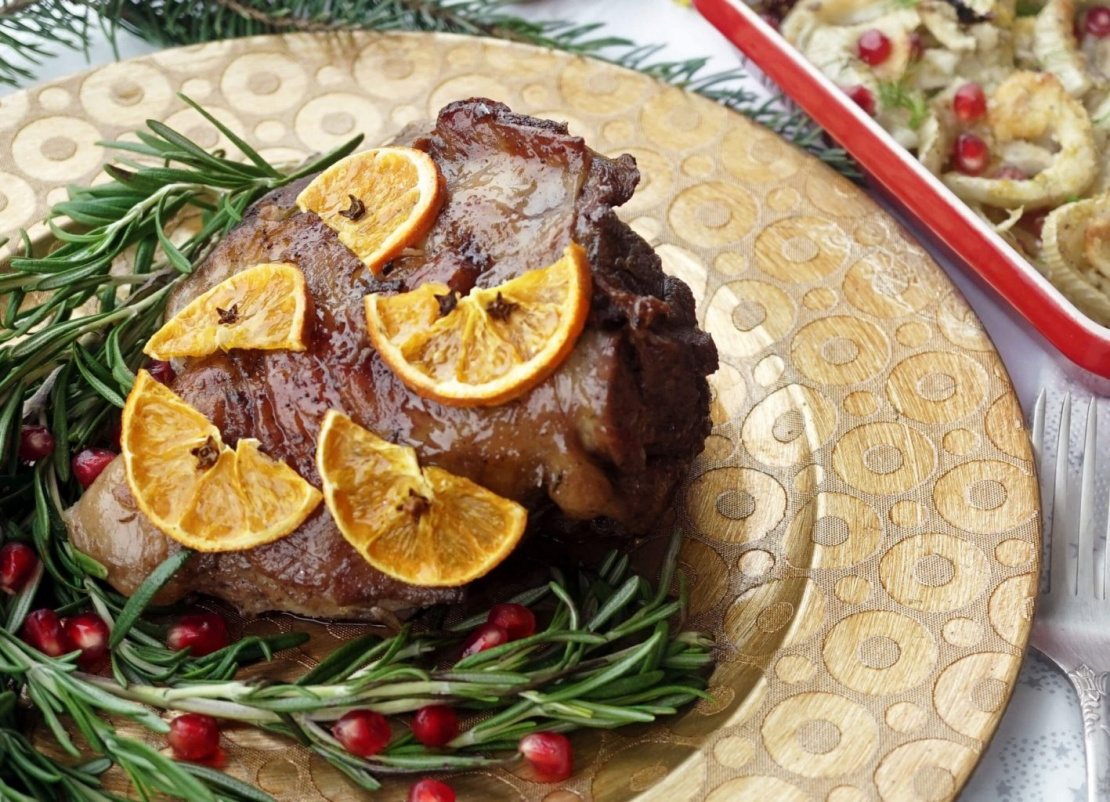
378 201
195 488
490 346
424 526
261 308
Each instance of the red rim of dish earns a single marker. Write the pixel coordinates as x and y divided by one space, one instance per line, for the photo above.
1079 338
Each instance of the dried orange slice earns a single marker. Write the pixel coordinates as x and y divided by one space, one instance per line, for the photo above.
261 308
489 347
377 201
197 490
422 526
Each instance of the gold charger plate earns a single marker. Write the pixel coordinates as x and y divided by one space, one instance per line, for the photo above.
863 527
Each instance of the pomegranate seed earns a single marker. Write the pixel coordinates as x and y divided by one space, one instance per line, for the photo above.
35 443
89 633
873 47
1098 22
362 732
917 49
430 790
435 725
194 736
17 563
969 102
549 754
484 637
90 463
161 371
43 630
202 633
862 97
516 619
1033 222
971 154
1008 171
770 19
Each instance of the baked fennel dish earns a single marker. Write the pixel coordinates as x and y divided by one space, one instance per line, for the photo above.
363 388
1007 101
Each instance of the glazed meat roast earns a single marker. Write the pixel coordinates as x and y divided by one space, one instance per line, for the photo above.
608 435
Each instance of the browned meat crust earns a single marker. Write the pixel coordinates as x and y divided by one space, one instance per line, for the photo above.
609 434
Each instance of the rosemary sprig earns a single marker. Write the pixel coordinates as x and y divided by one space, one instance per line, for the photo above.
53 349
609 656
72 327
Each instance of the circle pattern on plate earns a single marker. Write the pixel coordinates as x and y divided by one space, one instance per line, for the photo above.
862 531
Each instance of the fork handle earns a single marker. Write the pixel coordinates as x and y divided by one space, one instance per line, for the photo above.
1093 688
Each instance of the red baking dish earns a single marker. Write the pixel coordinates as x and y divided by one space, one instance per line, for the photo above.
915 189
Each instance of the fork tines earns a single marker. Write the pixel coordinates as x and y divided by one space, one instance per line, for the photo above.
1080 578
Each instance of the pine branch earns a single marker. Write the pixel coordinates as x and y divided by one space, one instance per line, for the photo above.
28 27
19 5
191 21
181 22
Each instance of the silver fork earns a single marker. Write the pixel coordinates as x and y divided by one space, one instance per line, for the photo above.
1072 625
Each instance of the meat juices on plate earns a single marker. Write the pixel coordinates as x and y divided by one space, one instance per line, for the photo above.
610 433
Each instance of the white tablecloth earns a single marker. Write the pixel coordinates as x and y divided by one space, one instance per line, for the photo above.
1038 751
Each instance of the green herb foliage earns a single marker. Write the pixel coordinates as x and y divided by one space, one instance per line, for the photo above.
893 95
72 327
609 656
71 335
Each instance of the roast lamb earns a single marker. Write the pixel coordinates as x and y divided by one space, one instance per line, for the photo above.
607 436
